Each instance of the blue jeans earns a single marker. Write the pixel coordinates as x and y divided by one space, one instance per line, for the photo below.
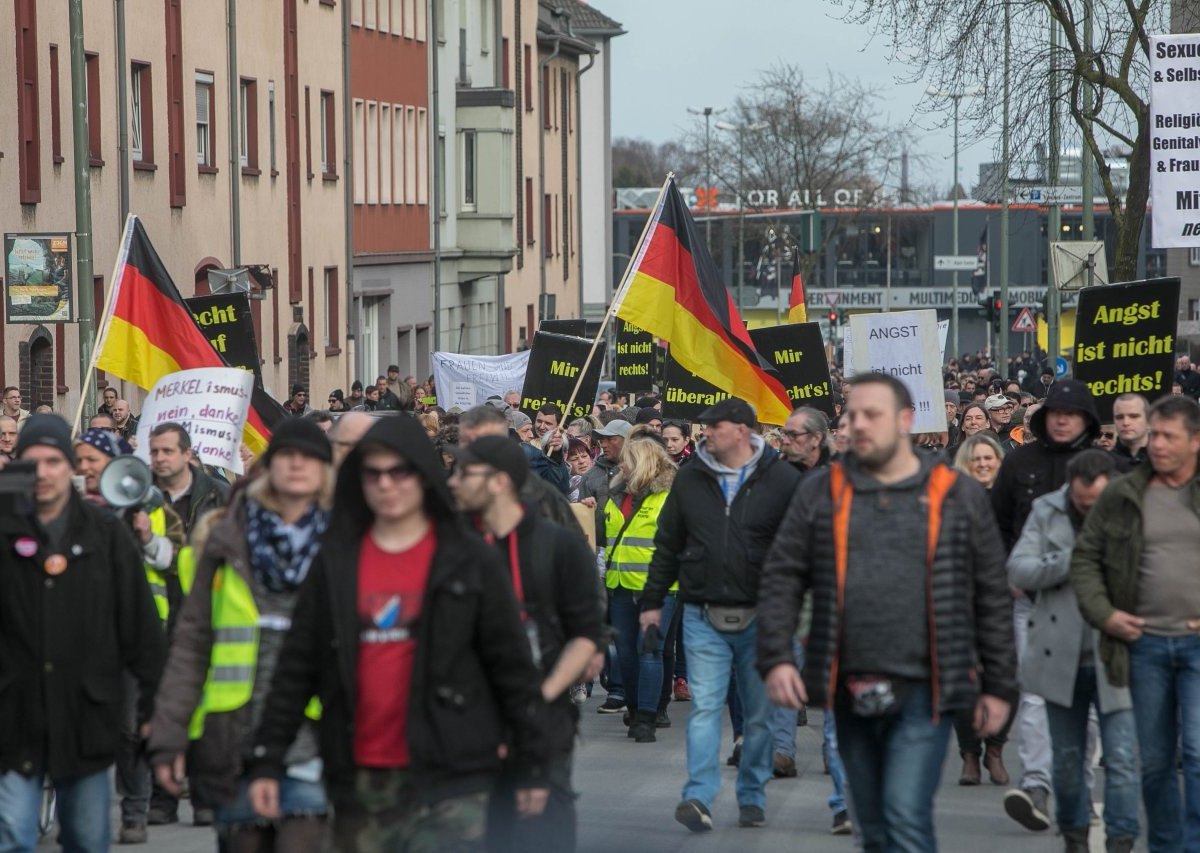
712 655
893 765
1164 678
837 773
1068 744
82 806
297 798
641 673
783 720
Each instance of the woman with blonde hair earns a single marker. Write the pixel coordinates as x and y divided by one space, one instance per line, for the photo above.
635 499
429 420
979 457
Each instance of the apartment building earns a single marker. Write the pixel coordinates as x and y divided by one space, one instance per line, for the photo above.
393 253
233 154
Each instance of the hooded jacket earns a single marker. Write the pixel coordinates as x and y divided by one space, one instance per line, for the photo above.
715 549
473 686
1033 470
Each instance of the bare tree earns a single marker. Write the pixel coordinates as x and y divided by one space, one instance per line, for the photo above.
1100 83
641 163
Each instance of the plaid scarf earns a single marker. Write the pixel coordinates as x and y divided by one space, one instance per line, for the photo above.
280 554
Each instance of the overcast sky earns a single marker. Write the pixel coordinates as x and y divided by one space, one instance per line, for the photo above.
681 53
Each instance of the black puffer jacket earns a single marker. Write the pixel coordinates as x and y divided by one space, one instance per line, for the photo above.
473 686
968 596
1033 470
716 551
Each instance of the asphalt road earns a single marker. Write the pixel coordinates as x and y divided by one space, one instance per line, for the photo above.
628 794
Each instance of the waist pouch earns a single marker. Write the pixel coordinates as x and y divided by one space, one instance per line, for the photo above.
730 620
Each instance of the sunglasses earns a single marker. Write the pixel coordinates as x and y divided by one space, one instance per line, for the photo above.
1108 435
396 473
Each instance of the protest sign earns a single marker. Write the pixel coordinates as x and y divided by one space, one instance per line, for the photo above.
211 403
37 278
574 327
943 329
1125 340
229 325
555 363
687 395
904 344
468 380
634 370
1171 147
798 353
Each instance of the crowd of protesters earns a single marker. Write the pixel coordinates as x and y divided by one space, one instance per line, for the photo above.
381 636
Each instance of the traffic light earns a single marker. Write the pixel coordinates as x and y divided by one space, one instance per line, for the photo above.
833 317
997 313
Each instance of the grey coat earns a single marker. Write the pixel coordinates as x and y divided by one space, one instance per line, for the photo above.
1041 562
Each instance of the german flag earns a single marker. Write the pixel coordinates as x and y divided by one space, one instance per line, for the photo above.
152 333
797 312
673 291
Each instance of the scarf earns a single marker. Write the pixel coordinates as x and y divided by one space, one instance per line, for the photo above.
280 554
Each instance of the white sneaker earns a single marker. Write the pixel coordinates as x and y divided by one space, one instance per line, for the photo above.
578 694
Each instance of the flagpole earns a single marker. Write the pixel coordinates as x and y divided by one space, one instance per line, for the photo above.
626 278
105 321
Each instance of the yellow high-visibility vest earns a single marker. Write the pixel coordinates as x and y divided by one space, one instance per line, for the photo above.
158 583
185 565
234 658
628 553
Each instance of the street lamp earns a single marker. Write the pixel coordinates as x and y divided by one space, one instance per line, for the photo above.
956 97
741 130
708 113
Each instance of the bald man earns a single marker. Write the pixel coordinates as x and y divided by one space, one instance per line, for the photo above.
124 421
347 432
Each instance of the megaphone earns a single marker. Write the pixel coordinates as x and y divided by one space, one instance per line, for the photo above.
127 481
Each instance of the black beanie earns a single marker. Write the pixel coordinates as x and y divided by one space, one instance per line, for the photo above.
300 434
46 431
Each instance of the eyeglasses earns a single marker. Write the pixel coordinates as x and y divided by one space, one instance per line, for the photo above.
793 434
1109 435
396 473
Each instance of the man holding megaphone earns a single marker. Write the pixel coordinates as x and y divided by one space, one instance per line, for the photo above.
113 477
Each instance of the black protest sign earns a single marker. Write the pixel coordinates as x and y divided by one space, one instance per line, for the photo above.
1125 340
555 363
797 351
226 320
634 370
687 394
577 328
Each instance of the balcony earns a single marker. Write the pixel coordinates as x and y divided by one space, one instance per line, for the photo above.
484 157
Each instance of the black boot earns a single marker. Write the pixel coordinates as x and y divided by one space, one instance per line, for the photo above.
642 730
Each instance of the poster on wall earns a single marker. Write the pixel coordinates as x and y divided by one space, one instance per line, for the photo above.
37 278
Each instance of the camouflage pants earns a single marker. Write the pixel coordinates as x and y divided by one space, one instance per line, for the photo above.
384 814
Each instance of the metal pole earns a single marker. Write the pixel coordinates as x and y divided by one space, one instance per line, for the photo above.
954 351
1002 355
1085 154
707 179
887 300
235 138
123 109
83 193
435 217
741 271
1054 216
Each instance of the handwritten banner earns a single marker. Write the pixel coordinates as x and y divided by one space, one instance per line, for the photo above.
211 403
468 380
904 344
1125 340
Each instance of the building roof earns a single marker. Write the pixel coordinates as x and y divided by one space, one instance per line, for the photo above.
587 19
556 26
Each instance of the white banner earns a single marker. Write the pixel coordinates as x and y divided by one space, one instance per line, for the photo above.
468 380
904 344
1175 140
211 403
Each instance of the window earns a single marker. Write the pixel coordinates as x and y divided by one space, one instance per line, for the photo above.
29 136
205 156
410 17
55 108
384 14
271 125
92 61
369 14
529 238
468 169
331 311
328 136
360 153
423 156
308 133
176 158
547 226
141 114
505 74
1194 256
372 169
385 153
441 174
546 96
397 154
356 13
528 80
485 27
419 19
410 155
396 15
248 134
